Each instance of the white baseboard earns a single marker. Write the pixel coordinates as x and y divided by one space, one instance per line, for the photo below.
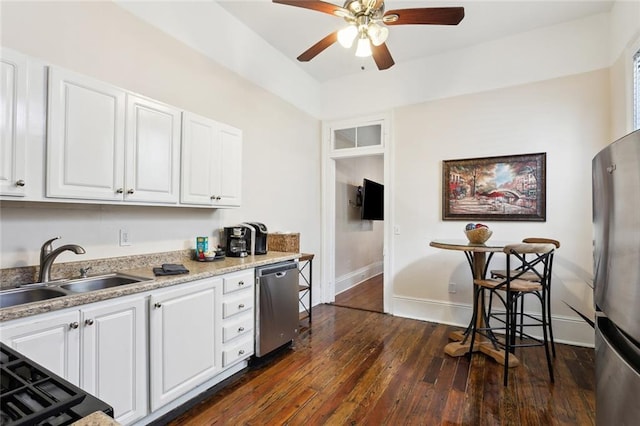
569 330
353 278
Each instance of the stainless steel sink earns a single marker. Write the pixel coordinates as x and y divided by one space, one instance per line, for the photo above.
101 282
21 296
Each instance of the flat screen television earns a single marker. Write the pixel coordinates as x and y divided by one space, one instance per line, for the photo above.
372 200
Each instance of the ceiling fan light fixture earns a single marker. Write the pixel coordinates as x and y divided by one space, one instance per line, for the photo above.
364 47
347 35
377 33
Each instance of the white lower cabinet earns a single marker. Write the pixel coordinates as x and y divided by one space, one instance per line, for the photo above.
114 356
185 338
238 317
101 348
51 340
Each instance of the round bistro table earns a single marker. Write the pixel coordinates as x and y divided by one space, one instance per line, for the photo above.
476 255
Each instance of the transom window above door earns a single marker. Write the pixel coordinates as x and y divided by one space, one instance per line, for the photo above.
357 137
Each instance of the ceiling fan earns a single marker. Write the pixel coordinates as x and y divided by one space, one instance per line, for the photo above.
367 21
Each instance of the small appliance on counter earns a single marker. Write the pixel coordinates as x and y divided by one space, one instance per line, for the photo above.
254 235
258 242
236 238
33 395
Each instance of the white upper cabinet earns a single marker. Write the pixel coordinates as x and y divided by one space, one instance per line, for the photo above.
211 162
107 144
85 142
152 153
13 127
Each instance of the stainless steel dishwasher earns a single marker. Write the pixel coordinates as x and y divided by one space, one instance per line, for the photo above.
276 306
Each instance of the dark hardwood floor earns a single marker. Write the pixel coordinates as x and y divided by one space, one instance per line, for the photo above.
366 295
364 368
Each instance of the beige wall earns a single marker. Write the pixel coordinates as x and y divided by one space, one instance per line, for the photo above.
281 153
568 118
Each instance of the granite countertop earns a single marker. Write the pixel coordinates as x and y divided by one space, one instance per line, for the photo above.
96 419
197 271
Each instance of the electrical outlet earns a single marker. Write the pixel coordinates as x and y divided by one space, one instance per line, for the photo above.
125 237
452 287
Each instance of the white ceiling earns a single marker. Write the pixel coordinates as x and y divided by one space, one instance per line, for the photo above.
292 30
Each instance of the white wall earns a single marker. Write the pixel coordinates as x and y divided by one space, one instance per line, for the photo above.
568 118
281 154
359 243
545 53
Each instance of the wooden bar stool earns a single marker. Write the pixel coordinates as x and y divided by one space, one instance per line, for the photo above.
531 258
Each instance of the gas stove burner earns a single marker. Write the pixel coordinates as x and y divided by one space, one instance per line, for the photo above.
33 395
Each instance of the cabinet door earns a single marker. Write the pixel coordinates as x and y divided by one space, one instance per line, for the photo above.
13 127
200 148
152 171
85 138
114 356
185 339
211 162
51 340
229 186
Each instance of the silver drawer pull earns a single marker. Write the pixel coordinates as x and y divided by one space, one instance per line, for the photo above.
157 305
240 283
241 352
240 329
20 182
131 191
74 325
88 321
241 306
119 191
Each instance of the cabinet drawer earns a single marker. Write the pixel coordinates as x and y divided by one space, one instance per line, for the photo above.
237 352
239 281
237 328
237 304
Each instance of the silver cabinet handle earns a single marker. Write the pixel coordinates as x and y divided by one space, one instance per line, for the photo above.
157 305
74 325
131 191
119 191
240 329
213 197
240 283
20 182
241 306
241 352
218 198
88 321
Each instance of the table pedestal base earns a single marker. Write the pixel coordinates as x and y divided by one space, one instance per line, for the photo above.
457 348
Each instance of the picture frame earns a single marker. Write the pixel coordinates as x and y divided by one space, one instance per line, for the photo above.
504 188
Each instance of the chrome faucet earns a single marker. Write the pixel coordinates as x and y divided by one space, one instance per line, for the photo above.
48 255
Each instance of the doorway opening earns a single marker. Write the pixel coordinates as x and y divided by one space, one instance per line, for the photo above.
355 244
359 232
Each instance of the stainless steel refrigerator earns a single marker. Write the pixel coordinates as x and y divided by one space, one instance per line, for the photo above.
616 220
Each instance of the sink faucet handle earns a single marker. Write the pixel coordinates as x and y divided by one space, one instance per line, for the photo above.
84 271
46 248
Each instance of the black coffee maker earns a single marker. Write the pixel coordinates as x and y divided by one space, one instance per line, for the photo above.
257 243
236 241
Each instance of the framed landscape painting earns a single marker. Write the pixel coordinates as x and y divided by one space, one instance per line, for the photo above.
510 187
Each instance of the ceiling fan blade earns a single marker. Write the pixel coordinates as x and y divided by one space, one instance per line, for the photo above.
382 56
314 50
320 6
425 16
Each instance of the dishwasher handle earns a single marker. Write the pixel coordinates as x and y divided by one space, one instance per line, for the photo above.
277 268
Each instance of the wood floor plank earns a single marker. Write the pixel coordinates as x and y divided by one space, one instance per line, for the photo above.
364 368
